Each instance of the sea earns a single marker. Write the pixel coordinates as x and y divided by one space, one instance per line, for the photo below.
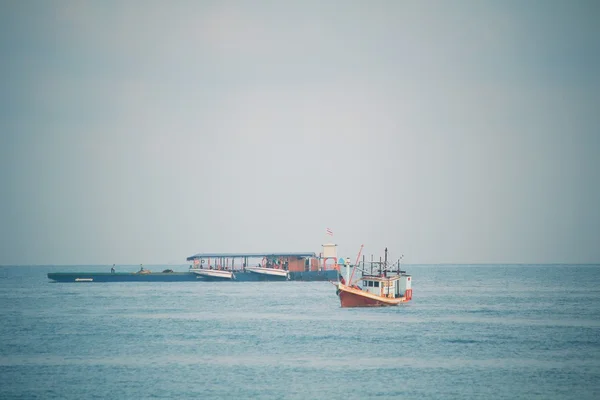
470 332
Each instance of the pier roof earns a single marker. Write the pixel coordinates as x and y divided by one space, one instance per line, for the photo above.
249 255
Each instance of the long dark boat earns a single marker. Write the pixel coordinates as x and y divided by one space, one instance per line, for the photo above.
122 277
235 267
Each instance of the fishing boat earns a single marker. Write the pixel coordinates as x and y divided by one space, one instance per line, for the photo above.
381 284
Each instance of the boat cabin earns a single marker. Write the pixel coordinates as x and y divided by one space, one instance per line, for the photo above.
293 262
386 286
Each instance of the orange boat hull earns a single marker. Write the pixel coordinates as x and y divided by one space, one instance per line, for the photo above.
351 297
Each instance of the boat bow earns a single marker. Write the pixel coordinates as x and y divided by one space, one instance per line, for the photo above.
269 271
214 273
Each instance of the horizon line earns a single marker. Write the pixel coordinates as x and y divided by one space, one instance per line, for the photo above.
411 264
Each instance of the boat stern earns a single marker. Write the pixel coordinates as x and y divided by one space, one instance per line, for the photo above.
405 286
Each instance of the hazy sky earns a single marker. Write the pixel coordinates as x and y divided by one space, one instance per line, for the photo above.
449 131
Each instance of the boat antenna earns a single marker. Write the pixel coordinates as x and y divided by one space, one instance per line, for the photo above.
400 259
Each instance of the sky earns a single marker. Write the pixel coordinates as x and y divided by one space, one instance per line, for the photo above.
448 131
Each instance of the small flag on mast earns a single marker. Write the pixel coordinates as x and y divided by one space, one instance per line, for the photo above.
329 232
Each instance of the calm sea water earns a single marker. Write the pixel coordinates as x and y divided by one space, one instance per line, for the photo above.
471 332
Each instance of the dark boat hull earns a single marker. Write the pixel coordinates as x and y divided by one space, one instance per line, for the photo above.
355 297
91 277
121 277
352 300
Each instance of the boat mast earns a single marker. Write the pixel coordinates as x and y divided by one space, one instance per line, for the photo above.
355 264
347 263
385 258
385 265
